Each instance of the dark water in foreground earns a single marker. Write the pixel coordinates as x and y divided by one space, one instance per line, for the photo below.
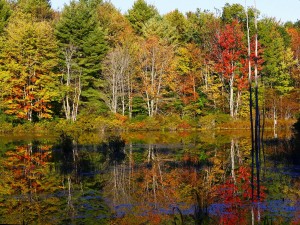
148 178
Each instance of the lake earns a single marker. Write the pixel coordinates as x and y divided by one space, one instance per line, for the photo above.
149 178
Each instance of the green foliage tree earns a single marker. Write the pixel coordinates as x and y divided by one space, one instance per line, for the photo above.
201 29
233 12
5 12
82 46
177 20
278 60
39 9
238 12
139 14
157 26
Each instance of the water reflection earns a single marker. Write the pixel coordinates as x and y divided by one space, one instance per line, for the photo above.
175 178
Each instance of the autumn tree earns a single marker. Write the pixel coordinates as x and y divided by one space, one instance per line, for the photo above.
202 27
154 60
118 28
229 55
28 59
295 46
188 65
118 71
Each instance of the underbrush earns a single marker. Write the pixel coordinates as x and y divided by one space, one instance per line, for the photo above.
122 123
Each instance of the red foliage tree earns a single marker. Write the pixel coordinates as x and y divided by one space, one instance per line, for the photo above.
229 55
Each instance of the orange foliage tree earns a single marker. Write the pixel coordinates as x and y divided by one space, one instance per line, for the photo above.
28 59
155 58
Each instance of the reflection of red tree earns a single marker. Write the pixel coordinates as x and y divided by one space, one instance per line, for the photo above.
296 220
236 195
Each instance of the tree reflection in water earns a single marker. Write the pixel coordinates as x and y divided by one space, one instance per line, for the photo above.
196 180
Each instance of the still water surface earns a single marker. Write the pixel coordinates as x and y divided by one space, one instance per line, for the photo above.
148 178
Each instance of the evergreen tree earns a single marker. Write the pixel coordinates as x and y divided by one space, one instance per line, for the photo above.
161 28
177 20
140 13
278 59
82 45
5 12
39 9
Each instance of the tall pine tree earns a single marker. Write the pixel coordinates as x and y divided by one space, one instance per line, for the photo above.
82 47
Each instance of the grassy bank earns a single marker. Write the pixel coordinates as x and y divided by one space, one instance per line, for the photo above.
122 123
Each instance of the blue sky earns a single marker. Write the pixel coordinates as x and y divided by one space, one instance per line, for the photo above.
284 10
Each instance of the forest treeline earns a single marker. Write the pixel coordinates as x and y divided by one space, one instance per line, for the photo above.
89 60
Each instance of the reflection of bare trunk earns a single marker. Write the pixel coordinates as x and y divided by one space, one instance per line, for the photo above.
130 174
275 121
156 173
150 153
232 155
252 215
70 204
257 112
238 153
154 184
121 184
75 151
76 97
206 75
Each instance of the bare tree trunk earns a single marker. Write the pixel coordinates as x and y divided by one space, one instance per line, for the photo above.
123 96
238 101
117 73
206 75
250 103
231 96
114 101
72 84
257 113
154 61
69 52
129 93
77 94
